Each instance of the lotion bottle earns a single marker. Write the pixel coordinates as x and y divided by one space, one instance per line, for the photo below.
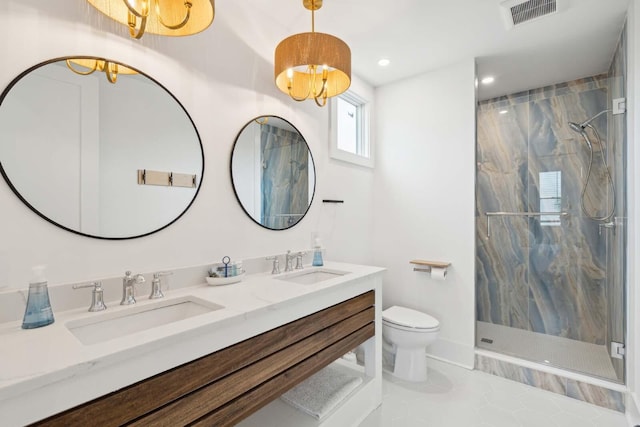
317 254
38 312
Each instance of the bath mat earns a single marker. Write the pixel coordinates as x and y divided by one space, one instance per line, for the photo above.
323 391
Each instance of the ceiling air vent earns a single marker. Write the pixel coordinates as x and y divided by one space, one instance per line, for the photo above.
518 12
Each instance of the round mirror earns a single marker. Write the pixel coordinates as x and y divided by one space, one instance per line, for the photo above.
98 148
273 172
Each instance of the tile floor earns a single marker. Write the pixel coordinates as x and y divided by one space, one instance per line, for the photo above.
456 397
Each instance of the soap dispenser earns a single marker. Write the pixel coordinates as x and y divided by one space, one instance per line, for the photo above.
38 312
317 254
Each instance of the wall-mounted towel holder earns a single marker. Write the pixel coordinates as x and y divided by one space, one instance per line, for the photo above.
437 269
167 179
525 214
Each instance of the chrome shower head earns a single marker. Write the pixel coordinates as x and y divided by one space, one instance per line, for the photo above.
580 129
576 127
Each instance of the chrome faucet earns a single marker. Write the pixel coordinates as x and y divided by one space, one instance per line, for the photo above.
97 296
128 291
289 261
276 264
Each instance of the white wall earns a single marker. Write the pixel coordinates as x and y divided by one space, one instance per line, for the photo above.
425 199
223 79
633 200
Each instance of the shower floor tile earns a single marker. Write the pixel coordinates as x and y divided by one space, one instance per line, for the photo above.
457 397
560 352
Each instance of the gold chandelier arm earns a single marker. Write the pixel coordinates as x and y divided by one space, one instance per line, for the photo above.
310 69
187 5
82 73
133 11
325 76
136 34
305 97
323 91
324 101
111 70
298 99
322 95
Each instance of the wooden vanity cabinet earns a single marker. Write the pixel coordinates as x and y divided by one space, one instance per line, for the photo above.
226 386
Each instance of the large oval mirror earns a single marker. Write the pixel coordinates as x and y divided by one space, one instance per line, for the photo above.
273 172
98 148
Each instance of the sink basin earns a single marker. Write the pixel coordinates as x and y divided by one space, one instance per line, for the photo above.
312 276
107 326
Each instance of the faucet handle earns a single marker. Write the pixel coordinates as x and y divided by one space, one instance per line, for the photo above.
276 264
156 285
97 295
139 278
160 274
299 256
134 278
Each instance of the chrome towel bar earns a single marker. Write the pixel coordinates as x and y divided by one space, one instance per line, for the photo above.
528 214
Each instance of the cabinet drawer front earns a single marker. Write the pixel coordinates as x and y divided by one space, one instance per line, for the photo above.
221 378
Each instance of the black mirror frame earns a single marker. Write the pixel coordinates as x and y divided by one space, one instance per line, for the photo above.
15 191
313 163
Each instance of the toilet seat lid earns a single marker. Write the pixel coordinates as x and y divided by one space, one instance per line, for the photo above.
407 317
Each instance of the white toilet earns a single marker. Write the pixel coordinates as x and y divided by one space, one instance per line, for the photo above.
407 333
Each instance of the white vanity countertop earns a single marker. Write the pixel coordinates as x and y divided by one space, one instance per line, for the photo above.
46 370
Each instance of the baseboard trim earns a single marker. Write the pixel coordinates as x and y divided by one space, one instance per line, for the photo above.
452 352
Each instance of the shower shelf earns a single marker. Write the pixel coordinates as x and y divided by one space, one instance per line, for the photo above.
527 214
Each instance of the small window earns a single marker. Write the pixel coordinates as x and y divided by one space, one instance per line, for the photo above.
550 197
350 130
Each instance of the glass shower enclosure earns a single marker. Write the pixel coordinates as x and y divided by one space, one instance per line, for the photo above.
550 249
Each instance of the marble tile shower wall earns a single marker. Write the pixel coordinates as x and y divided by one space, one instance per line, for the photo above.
596 395
285 177
541 277
616 237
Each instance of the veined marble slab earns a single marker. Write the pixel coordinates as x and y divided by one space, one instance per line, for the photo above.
540 277
600 396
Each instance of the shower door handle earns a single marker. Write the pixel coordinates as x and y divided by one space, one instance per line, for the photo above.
609 224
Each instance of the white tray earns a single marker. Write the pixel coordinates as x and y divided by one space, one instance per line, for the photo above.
218 281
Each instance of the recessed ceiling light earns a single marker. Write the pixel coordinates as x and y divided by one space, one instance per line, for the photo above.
488 80
503 111
384 62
